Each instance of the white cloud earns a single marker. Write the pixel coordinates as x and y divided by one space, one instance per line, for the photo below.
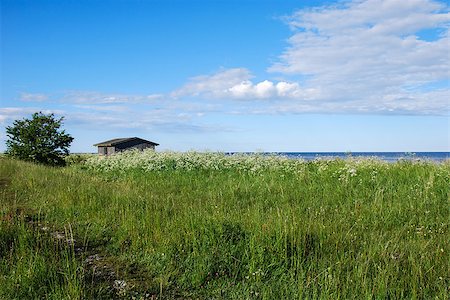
360 56
265 89
398 104
378 16
364 52
120 111
236 84
33 97
241 90
159 120
247 90
90 97
287 89
104 108
9 114
270 90
215 85
118 118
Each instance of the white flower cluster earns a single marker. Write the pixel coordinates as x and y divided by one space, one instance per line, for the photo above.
149 160
354 167
255 163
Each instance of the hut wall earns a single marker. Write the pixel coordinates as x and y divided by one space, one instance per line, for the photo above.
102 150
111 150
106 150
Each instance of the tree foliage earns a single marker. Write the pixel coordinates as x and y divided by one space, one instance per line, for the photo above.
39 139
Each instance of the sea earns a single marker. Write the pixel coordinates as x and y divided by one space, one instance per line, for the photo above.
385 156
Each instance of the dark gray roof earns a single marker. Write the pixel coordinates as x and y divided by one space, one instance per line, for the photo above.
115 142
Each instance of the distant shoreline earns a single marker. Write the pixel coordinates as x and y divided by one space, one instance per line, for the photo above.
385 156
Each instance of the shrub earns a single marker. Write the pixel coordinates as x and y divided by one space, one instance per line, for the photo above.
38 139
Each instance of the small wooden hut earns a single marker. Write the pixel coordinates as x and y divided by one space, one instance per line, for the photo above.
122 144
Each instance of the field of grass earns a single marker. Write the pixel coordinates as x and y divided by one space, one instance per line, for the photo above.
207 226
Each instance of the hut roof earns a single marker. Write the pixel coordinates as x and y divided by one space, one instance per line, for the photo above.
118 141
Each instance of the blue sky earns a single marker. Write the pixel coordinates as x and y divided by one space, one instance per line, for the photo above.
365 75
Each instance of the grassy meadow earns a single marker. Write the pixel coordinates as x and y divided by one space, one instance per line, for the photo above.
210 226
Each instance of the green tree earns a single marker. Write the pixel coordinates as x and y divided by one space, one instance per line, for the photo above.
38 139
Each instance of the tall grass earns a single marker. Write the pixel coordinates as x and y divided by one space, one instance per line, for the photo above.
220 227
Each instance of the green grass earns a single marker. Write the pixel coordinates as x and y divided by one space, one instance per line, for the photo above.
331 230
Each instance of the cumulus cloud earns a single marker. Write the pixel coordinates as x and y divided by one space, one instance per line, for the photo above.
246 89
236 84
270 90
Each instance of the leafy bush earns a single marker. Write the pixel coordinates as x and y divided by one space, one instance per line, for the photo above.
38 139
